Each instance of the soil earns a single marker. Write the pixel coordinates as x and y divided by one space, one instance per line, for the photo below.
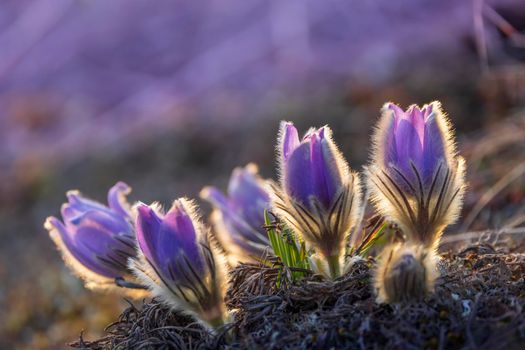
479 303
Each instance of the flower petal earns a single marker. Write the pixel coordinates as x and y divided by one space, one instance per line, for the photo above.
389 144
434 148
147 228
417 120
108 223
215 197
248 197
83 255
117 198
325 169
289 140
298 181
409 148
82 204
178 236
98 250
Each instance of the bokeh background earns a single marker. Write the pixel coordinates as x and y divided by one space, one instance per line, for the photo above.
171 95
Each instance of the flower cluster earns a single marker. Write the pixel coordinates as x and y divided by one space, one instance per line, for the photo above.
415 179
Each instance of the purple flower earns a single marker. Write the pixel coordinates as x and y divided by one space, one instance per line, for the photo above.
169 242
414 142
95 240
311 168
319 197
238 218
416 178
177 262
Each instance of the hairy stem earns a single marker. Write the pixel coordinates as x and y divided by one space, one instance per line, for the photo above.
334 266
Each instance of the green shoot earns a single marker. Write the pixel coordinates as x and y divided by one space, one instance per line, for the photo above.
371 239
292 253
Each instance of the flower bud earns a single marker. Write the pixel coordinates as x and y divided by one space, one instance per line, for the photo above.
95 240
405 272
238 218
416 177
177 262
319 197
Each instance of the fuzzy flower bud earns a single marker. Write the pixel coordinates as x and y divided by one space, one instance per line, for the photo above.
416 177
95 240
238 218
177 262
319 197
405 272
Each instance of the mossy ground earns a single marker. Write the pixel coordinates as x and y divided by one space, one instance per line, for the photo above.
479 303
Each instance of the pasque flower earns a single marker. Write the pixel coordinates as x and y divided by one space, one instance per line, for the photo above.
319 197
416 180
416 177
238 218
95 240
405 272
178 263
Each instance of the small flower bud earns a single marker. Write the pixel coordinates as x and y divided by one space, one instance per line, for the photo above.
319 197
95 240
406 272
177 262
238 218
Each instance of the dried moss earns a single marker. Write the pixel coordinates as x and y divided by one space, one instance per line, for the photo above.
479 304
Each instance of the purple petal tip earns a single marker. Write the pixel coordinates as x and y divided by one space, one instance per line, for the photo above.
290 139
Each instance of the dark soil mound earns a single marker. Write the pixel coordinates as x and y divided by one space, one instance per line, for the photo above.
479 304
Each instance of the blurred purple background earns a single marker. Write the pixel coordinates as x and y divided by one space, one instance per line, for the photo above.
171 95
